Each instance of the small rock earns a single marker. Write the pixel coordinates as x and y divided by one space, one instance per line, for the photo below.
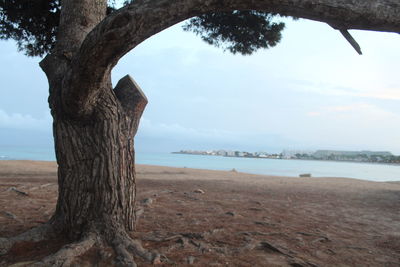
265 245
45 185
199 191
264 223
10 215
221 250
255 209
18 191
139 212
167 191
190 259
147 201
193 235
233 170
179 214
231 213
248 239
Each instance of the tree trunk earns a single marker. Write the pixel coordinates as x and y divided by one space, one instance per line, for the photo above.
96 172
94 128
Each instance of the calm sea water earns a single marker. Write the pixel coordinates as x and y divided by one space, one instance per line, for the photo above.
365 171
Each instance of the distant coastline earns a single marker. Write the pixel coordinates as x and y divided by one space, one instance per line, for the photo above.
364 156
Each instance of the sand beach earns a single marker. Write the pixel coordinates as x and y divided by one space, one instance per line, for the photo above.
225 218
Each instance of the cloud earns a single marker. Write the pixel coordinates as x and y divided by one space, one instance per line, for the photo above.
335 90
24 121
353 107
313 113
176 136
379 93
365 110
384 93
178 131
355 126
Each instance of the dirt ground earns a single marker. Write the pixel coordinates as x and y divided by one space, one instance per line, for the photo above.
217 218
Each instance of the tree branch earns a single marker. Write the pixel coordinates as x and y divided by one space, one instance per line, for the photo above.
352 41
132 99
124 29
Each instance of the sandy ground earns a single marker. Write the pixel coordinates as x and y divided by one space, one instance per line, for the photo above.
239 220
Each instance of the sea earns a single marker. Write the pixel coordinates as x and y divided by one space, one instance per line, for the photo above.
279 167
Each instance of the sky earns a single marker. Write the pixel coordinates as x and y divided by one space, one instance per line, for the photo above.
312 91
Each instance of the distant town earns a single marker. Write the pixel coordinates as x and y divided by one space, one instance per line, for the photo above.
329 155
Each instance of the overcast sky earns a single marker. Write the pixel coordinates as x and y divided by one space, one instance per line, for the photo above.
312 91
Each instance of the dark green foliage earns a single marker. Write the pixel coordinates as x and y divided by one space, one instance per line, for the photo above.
34 23
241 32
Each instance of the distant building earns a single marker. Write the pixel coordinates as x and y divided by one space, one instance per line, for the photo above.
338 154
241 154
221 153
288 154
230 153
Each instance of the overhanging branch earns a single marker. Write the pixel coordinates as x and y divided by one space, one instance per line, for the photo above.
124 29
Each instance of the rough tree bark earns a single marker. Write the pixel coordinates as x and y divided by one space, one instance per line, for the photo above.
94 124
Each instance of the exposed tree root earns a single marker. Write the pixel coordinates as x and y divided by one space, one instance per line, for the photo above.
123 244
127 250
36 234
67 254
204 242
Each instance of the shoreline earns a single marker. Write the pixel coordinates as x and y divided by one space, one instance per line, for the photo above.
316 160
6 166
